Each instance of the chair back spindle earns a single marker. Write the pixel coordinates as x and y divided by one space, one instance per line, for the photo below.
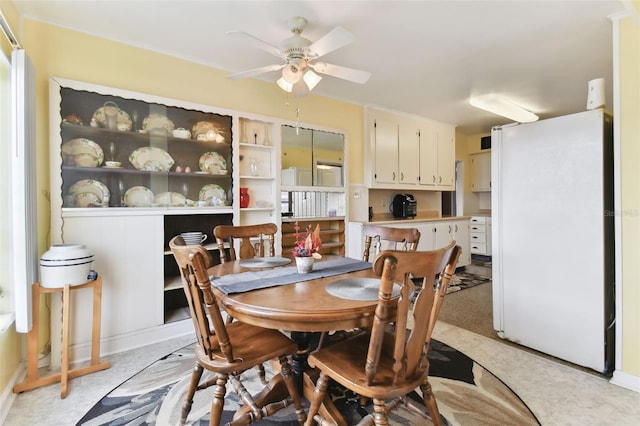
228 234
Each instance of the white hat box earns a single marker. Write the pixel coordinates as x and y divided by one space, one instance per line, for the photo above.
65 264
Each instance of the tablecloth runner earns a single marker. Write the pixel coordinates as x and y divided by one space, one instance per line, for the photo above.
254 280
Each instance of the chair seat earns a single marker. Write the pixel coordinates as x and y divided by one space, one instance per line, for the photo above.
255 344
345 361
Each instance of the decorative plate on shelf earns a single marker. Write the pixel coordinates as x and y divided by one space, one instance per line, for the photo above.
82 152
173 199
210 191
122 119
138 196
90 186
213 163
151 159
157 121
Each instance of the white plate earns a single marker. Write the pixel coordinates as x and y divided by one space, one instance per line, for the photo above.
164 199
91 186
151 159
264 262
157 121
82 152
358 288
210 191
138 196
212 162
87 199
122 118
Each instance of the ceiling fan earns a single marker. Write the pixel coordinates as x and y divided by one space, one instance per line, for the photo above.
299 55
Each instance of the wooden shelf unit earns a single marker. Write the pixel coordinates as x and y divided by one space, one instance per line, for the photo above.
331 233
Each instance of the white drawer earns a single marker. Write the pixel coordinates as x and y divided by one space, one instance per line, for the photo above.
478 238
478 248
478 219
478 228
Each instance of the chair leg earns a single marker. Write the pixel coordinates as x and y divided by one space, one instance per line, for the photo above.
218 399
287 375
318 397
380 417
430 403
261 374
193 386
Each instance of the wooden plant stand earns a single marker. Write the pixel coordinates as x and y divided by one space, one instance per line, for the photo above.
33 380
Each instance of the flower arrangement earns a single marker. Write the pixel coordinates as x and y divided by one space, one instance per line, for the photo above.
308 245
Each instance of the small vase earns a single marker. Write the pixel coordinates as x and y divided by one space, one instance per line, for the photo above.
244 198
304 264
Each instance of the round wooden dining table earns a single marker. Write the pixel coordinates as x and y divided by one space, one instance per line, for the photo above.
301 308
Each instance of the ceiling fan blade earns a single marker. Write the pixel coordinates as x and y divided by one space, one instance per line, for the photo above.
357 76
261 44
255 71
333 40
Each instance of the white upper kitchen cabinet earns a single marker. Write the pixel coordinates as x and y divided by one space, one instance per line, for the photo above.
437 156
406 152
481 171
384 140
408 146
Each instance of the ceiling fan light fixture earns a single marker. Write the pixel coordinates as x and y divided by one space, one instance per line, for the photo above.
502 106
311 79
291 74
285 85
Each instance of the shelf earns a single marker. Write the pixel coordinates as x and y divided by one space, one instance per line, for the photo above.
172 283
255 146
127 171
88 131
257 177
256 209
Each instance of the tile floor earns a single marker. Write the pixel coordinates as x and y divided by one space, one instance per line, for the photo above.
558 394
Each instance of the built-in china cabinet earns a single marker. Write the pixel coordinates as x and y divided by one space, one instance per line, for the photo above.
129 171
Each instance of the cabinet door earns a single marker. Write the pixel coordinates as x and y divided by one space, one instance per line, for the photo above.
409 147
385 135
128 254
429 155
443 234
446 156
462 235
481 172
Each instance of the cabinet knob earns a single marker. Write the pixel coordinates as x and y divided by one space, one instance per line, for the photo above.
434 178
401 176
394 176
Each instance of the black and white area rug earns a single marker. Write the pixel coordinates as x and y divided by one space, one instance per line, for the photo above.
467 394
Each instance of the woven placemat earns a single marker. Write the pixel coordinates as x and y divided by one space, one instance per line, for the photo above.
358 288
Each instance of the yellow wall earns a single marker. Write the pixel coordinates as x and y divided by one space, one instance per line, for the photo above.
630 176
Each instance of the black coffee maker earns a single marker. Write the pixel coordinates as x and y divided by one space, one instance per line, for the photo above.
404 206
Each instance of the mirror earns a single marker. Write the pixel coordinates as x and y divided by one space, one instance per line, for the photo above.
312 157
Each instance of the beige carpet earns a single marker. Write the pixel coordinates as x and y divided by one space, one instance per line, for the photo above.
472 308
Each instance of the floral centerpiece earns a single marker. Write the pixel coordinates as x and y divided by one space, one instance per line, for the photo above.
308 245
306 248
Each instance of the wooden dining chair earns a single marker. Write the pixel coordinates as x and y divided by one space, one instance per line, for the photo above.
228 350
389 238
227 234
389 362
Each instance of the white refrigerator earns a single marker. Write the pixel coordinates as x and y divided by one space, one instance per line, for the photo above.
553 218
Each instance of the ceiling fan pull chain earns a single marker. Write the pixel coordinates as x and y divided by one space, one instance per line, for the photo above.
297 120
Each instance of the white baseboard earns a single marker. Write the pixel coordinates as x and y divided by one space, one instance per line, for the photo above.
625 380
114 344
8 396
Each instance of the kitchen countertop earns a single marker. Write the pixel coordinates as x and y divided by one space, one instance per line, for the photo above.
422 216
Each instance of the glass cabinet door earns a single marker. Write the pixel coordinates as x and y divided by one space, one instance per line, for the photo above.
119 152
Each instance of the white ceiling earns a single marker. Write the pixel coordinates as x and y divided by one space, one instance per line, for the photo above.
426 57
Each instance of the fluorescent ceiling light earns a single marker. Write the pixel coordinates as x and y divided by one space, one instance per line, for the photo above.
499 105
